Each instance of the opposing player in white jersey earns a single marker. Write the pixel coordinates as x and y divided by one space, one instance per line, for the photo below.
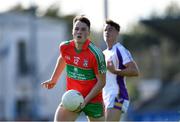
119 64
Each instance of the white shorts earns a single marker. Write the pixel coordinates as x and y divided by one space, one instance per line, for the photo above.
119 103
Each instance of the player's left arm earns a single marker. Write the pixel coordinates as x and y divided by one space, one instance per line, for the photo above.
100 69
101 81
131 69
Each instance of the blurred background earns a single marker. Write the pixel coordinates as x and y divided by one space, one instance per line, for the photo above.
30 34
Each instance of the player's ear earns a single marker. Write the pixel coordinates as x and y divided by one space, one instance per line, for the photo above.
88 33
72 32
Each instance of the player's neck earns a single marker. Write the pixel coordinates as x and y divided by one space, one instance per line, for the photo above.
110 44
79 46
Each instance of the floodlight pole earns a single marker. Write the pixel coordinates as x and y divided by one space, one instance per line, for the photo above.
105 9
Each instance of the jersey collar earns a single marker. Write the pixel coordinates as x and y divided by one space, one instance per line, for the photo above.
114 46
85 45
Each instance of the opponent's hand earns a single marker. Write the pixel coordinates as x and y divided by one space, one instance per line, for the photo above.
110 67
48 84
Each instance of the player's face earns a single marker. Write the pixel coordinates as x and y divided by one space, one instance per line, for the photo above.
109 33
80 32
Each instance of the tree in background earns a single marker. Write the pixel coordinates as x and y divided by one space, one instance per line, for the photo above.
151 47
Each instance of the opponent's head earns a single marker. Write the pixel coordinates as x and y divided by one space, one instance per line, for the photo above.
81 28
111 30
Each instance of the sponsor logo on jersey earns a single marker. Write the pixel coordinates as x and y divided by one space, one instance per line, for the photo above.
75 69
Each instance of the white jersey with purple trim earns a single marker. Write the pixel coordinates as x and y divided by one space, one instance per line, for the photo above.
115 84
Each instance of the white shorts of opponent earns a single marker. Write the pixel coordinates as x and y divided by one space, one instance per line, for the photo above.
113 101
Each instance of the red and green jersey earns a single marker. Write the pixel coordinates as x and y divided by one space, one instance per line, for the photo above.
83 66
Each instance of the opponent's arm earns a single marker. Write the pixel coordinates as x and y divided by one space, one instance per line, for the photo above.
130 69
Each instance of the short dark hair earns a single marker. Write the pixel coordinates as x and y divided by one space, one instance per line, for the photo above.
114 24
83 19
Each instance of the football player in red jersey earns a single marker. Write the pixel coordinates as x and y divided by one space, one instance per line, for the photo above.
85 68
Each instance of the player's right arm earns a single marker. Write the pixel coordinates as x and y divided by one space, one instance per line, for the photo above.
60 65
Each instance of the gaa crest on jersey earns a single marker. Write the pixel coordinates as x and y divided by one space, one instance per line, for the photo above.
85 63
